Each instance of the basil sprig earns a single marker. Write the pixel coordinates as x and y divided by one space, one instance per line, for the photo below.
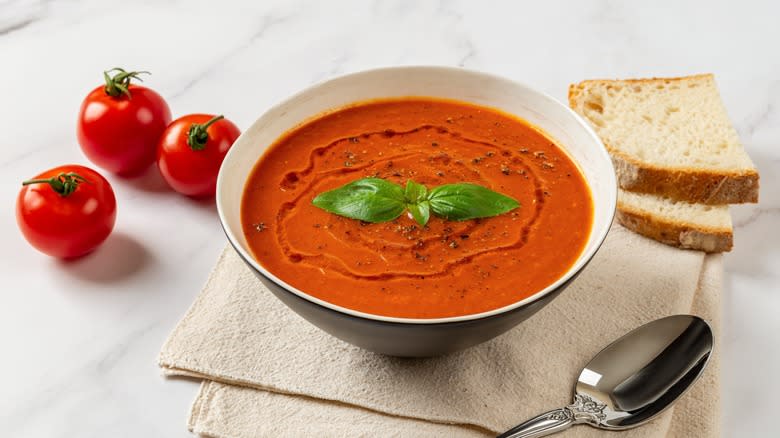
378 200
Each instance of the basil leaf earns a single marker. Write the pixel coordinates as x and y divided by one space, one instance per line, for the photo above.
377 200
420 212
367 199
468 201
415 192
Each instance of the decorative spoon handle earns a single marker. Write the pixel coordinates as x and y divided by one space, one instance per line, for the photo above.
546 424
584 410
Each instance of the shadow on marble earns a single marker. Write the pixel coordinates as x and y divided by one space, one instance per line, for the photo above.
207 204
756 237
149 181
119 257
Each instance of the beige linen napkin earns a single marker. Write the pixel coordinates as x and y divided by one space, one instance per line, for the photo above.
273 374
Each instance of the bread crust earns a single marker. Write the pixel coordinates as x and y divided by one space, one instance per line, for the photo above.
581 84
682 184
690 185
675 234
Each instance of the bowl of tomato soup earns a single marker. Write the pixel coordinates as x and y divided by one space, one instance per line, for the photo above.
414 254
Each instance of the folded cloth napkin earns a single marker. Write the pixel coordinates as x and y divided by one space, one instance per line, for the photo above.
270 373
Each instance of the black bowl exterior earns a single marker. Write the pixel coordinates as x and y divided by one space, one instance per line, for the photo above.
405 339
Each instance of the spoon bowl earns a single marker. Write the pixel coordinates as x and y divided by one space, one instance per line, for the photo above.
633 379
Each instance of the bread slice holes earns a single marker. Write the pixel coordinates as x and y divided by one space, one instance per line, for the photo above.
594 107
672 109
693 85
647 118
596 121
595 104
637 88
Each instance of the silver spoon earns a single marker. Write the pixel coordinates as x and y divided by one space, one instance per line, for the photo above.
633 379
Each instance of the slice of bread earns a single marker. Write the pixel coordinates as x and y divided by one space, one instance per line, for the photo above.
677 223
669 137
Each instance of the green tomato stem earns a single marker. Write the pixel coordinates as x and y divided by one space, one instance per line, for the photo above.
64 183
119 84
197 136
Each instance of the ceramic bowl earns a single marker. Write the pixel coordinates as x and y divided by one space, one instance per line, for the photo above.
406 336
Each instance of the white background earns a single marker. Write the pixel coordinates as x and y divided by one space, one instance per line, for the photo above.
79 340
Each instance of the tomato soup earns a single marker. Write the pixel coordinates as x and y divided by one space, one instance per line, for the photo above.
398 268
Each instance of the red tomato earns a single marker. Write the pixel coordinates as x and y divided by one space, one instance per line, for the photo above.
120 123
192 149
67 211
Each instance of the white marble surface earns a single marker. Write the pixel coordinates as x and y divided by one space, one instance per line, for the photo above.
79 340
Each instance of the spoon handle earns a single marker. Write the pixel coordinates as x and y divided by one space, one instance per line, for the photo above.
548 423
584 410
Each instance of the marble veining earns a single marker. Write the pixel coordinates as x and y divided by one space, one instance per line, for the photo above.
267 23
755 215
80 339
